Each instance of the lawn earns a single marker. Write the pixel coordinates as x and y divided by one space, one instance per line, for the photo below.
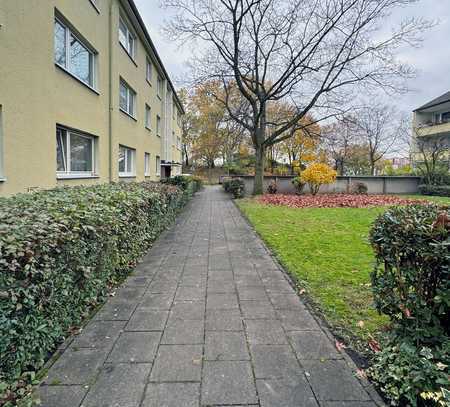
327 251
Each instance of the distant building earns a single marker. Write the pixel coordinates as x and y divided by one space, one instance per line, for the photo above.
399 162
431 126
84 97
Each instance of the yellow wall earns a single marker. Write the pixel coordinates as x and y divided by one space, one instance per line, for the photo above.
36 95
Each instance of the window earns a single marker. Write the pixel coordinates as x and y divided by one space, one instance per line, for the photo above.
127 166
127 98
149 71
72 54
158 125
160 86
147 164
127 38
75 153
179 143
445 117
148 117
173 111
158 165
173 138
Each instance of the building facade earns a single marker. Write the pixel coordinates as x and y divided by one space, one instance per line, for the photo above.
84 96
431 130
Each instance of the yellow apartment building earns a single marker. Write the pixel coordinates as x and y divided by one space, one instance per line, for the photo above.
84 96
431 126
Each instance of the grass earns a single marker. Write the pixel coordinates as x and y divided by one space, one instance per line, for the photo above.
327 251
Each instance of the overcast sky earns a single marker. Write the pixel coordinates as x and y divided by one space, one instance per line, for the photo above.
432 60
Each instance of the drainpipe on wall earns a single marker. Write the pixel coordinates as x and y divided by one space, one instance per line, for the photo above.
111 105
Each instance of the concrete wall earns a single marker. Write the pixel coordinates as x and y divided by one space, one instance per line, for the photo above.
376 185
36 94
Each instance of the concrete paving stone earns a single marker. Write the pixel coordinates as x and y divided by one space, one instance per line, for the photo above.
61 396
157 301
184 332
257 310
172 395
228 383
223 320
274 361
177 363
218 276
220 288
134 347
190 293
162 287
187 310
222 301
265 332
221 345
248 281
278 286
115 310
286 392
99 334
347 404
129 293
196 261
286 301
137 281
120 385
144 319
76 366
252 293
219 262
297 320
333 380
312 345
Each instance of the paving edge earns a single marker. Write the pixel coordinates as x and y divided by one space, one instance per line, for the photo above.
368 386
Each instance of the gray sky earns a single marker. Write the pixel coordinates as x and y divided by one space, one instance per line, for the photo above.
432 61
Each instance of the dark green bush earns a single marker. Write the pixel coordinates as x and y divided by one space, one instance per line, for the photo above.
186 183
437 190
411 284
298 184
234 186
272 187
60 250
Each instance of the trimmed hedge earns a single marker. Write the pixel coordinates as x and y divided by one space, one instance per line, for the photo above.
411 285
436 190
60 252
235 186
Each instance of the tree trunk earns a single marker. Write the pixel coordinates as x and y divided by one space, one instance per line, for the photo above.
259 170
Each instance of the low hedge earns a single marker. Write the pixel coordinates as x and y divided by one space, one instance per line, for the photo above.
411 285
60 251
185 182
436 190
235 186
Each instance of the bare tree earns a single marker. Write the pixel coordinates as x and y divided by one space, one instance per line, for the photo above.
338 138
315 53
430 154
380 128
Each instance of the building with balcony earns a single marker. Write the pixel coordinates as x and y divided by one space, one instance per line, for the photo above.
431 129
84 96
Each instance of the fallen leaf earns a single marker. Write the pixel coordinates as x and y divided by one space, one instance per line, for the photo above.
302 291
361 374
340 346
361 324
374 345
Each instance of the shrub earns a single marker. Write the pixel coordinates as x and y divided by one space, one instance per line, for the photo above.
411 284
198 183
438 190
359 188
273 187
179 181
60 251
316 175
235 186
298 184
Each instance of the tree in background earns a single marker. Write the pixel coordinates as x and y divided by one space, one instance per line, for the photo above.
188 130
315 54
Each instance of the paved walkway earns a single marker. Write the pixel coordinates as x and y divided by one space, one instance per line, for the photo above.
207 319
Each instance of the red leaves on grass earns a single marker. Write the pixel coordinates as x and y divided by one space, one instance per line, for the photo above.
335 200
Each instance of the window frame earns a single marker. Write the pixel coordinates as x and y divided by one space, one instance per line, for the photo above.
68 173
70 31
126 174
133 93
158 125
147 162
160 87
158 165
129 33
149 71
148 117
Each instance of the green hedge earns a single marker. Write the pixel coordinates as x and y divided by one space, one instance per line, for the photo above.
60 251
235 186
411 284
436 190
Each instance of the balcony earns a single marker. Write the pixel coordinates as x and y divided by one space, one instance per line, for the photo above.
433 129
